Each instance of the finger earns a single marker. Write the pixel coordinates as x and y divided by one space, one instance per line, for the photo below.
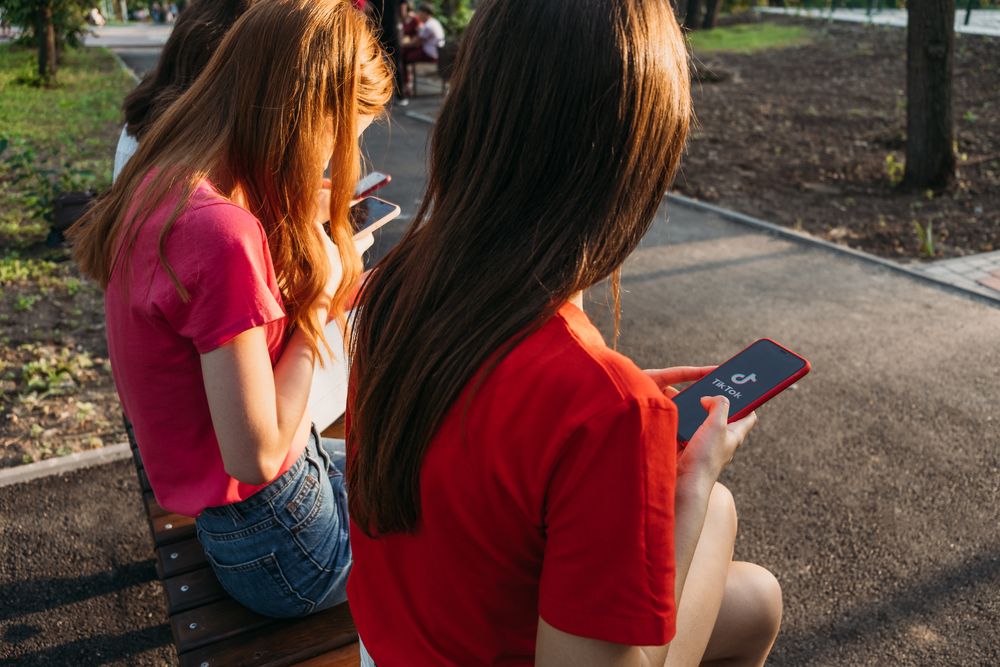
669 391
363 243
741 427
668 376
718 410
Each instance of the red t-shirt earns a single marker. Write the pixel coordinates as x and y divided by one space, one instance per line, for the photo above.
557 500
219 252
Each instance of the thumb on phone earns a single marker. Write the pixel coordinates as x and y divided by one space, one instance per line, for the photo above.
718 410
363 243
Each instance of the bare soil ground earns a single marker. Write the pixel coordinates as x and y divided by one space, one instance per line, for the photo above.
813 137
56 392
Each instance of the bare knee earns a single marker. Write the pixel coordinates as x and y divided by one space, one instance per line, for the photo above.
762 593
722 511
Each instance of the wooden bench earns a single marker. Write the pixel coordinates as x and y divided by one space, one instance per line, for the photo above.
210 629
413 76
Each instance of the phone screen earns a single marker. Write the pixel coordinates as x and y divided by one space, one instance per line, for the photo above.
744 380
370 212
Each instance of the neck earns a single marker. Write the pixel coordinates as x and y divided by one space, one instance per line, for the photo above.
577 299
222 179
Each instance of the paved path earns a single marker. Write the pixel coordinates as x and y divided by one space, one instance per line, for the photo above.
982 21
870 490
134 35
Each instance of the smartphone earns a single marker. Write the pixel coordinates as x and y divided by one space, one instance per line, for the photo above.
371 213
751 378
371 183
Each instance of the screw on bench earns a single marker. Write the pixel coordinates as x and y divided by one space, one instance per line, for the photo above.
168 526
185 588
173 556
193 626
204 664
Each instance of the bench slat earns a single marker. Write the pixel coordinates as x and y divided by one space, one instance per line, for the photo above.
212 623
172 528
179 558
346 656
286 642
192 589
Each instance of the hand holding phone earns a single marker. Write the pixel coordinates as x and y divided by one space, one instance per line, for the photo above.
748 380
715 442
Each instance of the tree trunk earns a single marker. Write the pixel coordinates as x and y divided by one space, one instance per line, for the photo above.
692 14
711 14
930 51
46 43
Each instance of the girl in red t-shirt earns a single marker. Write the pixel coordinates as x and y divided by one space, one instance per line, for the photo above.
219 280
516 492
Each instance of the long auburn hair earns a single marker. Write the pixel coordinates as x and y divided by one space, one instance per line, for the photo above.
562 131
196 35
256 114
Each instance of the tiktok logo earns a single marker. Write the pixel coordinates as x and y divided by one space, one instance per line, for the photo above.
743 378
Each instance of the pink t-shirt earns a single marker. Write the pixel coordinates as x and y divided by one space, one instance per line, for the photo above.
219 252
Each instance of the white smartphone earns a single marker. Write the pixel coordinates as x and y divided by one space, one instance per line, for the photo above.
371 183
371 213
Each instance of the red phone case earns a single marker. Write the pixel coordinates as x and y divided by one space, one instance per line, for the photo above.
378 186
777 389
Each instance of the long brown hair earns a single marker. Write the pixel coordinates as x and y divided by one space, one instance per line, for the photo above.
256 114
563 129
195 36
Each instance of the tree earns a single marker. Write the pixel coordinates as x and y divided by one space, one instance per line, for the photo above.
50 24
711 14
698 15
930 56
691 14
45 33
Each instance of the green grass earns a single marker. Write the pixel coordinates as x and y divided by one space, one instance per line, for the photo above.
54 139
87 95
747 38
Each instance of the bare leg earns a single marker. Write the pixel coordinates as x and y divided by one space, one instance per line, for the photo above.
705 586
748 620
729 612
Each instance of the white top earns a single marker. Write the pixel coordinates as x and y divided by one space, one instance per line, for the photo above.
431 35
328 395
127 146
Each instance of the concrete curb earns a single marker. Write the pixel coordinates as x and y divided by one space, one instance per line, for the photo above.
800 237
121 63
64 464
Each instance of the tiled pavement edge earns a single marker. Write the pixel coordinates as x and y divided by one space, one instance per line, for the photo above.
976 273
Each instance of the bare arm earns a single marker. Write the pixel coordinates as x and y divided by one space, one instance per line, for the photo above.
555 648
698 468
257 411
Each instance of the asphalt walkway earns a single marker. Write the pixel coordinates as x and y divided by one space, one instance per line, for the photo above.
981 21
870 490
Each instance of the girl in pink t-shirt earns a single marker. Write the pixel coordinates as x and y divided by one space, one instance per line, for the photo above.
219 279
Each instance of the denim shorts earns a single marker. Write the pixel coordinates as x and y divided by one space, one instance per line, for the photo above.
285 551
